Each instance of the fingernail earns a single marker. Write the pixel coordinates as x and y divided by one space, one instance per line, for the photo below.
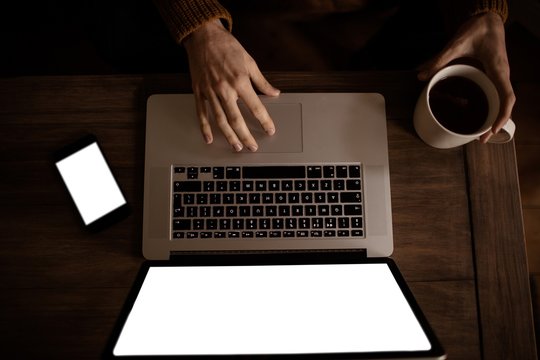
237 147
253 148
270 131
208 139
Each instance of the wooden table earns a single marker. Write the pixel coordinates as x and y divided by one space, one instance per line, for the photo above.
457 219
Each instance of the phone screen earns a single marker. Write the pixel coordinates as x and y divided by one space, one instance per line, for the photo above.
90 181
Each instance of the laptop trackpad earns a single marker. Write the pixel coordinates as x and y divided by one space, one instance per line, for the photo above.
288 121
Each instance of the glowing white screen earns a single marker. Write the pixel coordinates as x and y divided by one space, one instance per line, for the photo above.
270 310
90 183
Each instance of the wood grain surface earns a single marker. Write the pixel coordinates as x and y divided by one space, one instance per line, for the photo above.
457 226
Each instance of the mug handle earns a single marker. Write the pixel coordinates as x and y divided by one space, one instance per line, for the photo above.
505 135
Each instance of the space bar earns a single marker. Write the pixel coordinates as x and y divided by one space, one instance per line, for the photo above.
274 172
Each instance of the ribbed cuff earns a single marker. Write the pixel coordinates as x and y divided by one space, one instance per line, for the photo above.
499 7
182 17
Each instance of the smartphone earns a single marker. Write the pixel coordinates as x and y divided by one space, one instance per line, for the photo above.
91 184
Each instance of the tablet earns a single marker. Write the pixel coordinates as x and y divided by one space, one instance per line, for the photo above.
273 306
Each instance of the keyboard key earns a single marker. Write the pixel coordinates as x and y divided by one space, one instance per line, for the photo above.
314 172
208 186
328 171
235 186
247 186
329 233
300 185
274 172
275 234
288 234
247 234
261 234
192 173
218 173
202 199
353 184
178 235
341 171
343 233
244 211
302 233
286 185
189 199
316 233
350 197
359 233
343 222
187 186
232 172
254 198
238 224
336 210
179 169
277 223
260 185
273 185
356 222
221 186
233 234
354 171
353 210
224 224
339 184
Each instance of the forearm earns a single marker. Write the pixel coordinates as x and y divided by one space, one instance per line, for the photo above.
182 17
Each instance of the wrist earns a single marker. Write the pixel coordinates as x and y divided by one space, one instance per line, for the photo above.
204 31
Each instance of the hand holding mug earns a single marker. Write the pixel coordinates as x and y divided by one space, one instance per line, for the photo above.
481 38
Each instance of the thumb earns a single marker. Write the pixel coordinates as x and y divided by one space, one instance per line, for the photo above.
431 67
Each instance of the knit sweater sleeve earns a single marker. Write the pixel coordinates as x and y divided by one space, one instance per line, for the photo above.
499 7
182 17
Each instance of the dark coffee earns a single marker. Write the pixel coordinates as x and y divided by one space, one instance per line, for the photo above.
459 104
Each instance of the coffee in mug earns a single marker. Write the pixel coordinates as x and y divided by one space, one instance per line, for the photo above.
458 105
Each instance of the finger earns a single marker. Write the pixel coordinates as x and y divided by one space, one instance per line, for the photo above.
221 120
499 73
260 81
485 138
202 114
237 123
258 110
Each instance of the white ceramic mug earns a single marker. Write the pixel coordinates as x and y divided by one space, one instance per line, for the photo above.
434 134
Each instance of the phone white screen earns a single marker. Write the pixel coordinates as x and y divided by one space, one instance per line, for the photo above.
90 183
280 309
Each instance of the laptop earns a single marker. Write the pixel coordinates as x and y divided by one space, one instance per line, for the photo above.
321 183
312 305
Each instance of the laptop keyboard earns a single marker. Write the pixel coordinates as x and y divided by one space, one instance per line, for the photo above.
269 201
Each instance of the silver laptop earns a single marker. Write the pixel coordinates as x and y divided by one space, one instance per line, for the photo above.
320 183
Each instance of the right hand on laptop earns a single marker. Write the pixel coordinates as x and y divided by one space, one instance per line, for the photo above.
223 72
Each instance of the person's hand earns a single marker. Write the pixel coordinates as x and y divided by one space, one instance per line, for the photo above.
481 38
223 72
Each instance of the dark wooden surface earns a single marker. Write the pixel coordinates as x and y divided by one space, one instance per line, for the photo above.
456 213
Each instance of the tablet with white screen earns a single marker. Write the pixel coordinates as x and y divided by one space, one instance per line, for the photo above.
308 306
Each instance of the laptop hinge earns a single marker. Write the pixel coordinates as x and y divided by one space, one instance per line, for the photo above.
356 253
